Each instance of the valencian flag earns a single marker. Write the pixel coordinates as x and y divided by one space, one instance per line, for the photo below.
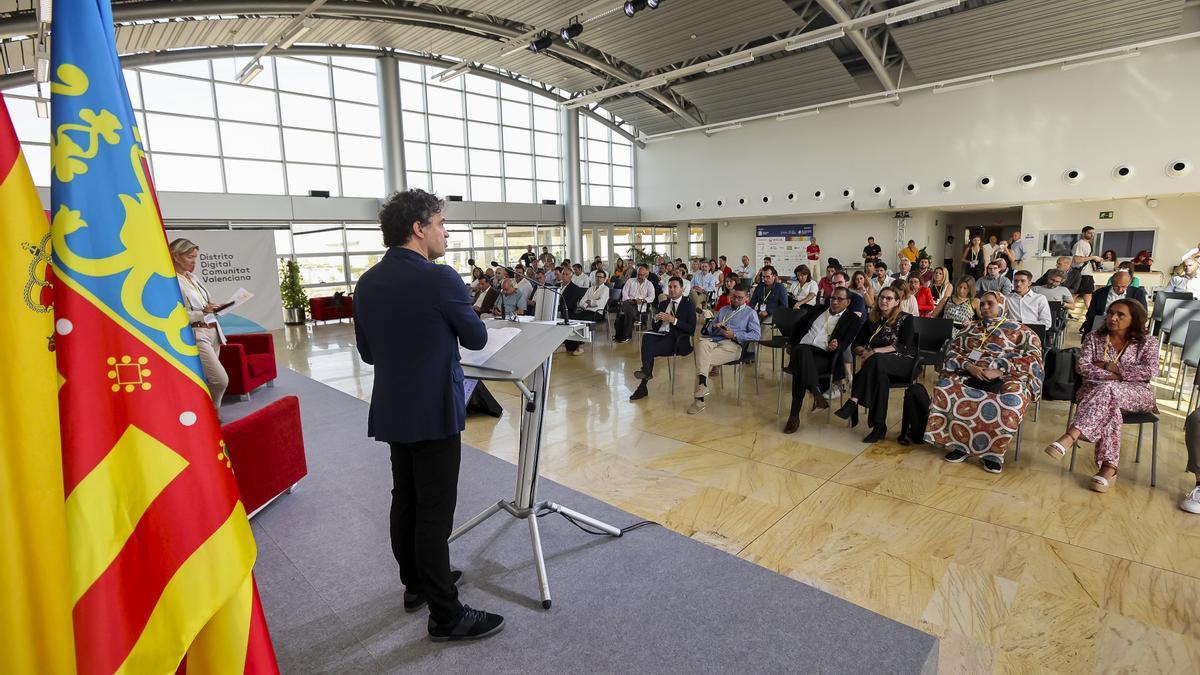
35 612
159 544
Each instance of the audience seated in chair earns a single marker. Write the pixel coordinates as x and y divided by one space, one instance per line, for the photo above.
884 346
1053 289
704 285
636 296
821 337
572 299
1027 307
1117 363
992 373
993 280
511 302
735 327
1191 435
1102 298
486 300
769 295
674 325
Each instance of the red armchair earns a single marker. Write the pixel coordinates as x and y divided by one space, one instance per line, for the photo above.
249 359
322 309
266 451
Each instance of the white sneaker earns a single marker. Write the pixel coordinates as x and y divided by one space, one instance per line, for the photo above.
1191 503
834 392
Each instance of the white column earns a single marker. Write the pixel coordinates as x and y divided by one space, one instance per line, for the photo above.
572 193
387 77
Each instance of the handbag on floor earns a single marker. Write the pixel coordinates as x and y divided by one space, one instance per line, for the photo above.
1060 380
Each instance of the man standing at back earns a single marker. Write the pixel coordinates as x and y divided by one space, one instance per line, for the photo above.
410 316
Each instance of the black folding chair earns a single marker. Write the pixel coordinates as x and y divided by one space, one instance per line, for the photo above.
784 321
1058 324
934 339
1140 419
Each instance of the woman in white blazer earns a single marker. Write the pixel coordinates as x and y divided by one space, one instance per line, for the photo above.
201 315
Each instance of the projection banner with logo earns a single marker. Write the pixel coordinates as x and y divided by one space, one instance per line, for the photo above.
787 245
233 259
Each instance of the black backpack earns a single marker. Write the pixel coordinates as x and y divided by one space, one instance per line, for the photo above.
1061 380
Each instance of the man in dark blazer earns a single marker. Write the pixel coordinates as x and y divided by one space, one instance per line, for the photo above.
410 316
674 325
487 297
1119 288
818 341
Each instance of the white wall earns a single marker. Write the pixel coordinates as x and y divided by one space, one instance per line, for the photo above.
1176 219
1140 111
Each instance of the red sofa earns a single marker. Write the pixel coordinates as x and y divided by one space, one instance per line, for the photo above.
322 309
249 359
266 449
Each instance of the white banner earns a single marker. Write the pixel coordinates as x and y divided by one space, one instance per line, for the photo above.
234 259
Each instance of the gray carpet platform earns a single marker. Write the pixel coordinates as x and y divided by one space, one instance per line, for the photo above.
652 601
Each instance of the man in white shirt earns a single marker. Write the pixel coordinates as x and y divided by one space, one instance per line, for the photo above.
590 305
636 295
1026 306
1190 280
745 271
599 268
823 338
1082 258
523 284
881 278
674 325
1193 254
990 247
579 278
1054 291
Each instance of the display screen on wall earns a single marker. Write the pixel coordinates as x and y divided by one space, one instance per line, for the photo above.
786 245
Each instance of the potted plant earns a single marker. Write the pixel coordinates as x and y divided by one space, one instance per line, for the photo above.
295 301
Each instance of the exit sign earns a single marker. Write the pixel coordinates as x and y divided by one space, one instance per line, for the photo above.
1106 215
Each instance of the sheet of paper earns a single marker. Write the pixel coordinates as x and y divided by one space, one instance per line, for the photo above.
497 338
239 297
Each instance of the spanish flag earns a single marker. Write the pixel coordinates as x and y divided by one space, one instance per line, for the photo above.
35 610
159 543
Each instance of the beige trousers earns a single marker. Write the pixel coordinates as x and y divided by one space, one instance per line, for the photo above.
208 343
709 354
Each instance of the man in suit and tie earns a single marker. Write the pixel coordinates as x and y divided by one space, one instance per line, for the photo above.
820 338
674 325
486 299
410 316
1120 289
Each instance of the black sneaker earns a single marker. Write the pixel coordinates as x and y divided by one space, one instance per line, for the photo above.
472 625
955 456
415 601
640 393
992 465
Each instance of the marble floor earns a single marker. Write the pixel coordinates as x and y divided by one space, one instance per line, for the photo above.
1027 571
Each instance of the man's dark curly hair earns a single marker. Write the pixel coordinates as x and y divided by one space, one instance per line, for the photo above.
403 209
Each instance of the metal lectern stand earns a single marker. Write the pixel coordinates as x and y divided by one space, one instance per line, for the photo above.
528 357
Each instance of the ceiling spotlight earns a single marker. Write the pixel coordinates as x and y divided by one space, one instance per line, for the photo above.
634 6
570 32
541 44
653 4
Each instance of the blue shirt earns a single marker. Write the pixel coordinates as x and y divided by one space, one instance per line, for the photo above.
1017 249
705 280
509 304
743 322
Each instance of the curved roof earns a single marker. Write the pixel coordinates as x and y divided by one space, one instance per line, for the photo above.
973 36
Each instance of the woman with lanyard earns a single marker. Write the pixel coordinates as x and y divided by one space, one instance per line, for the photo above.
1117 363
886 345
973 257
939 285
961 307
201 313
992 373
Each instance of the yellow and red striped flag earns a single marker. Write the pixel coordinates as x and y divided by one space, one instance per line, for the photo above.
35 610
160 547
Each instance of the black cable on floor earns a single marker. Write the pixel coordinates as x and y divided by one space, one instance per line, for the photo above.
589 530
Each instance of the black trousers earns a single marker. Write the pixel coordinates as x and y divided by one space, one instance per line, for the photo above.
808 364
654 346
424 493
916 413
583 315
625 320
871 384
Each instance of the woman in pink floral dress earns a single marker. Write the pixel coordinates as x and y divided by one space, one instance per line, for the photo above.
1116 364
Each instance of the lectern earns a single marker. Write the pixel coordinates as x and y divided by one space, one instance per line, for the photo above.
525 362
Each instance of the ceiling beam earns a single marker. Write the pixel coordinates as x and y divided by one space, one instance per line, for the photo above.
839 15
25 77
25 24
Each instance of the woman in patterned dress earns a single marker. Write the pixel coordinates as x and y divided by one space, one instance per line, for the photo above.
993 372
1117 363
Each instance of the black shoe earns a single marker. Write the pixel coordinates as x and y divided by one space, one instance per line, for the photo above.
640 392
848 409
903 440
876 435
955 456
643 375
917 440
472 625
992 465
415 601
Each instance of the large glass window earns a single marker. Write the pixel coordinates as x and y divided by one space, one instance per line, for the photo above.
605 165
